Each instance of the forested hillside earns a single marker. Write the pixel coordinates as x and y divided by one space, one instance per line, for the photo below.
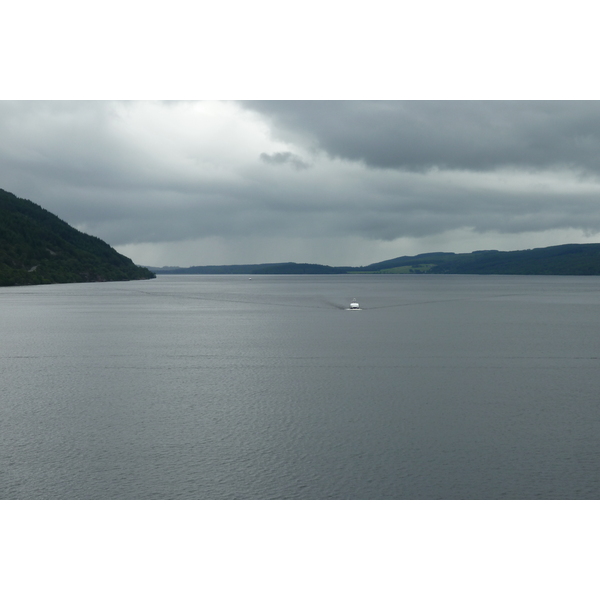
568 259
37 247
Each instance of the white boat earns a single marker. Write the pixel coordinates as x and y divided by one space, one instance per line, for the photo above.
354 305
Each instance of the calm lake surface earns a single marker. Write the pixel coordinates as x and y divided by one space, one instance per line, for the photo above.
225 387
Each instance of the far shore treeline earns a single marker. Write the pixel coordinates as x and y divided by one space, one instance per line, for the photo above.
568 259
36 247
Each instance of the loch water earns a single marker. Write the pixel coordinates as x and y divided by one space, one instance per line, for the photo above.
230 387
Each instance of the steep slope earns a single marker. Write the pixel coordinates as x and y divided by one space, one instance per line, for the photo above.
37 247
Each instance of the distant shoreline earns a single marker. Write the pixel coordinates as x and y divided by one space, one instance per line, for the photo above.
566 259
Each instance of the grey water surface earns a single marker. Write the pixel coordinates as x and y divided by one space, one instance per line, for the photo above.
225 387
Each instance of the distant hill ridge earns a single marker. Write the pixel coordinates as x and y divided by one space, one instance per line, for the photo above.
289 268
37 247
567 259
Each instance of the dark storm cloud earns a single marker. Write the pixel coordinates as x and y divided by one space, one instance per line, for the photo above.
312 176
282 158
420 135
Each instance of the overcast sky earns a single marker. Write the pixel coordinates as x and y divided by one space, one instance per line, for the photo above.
333 182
